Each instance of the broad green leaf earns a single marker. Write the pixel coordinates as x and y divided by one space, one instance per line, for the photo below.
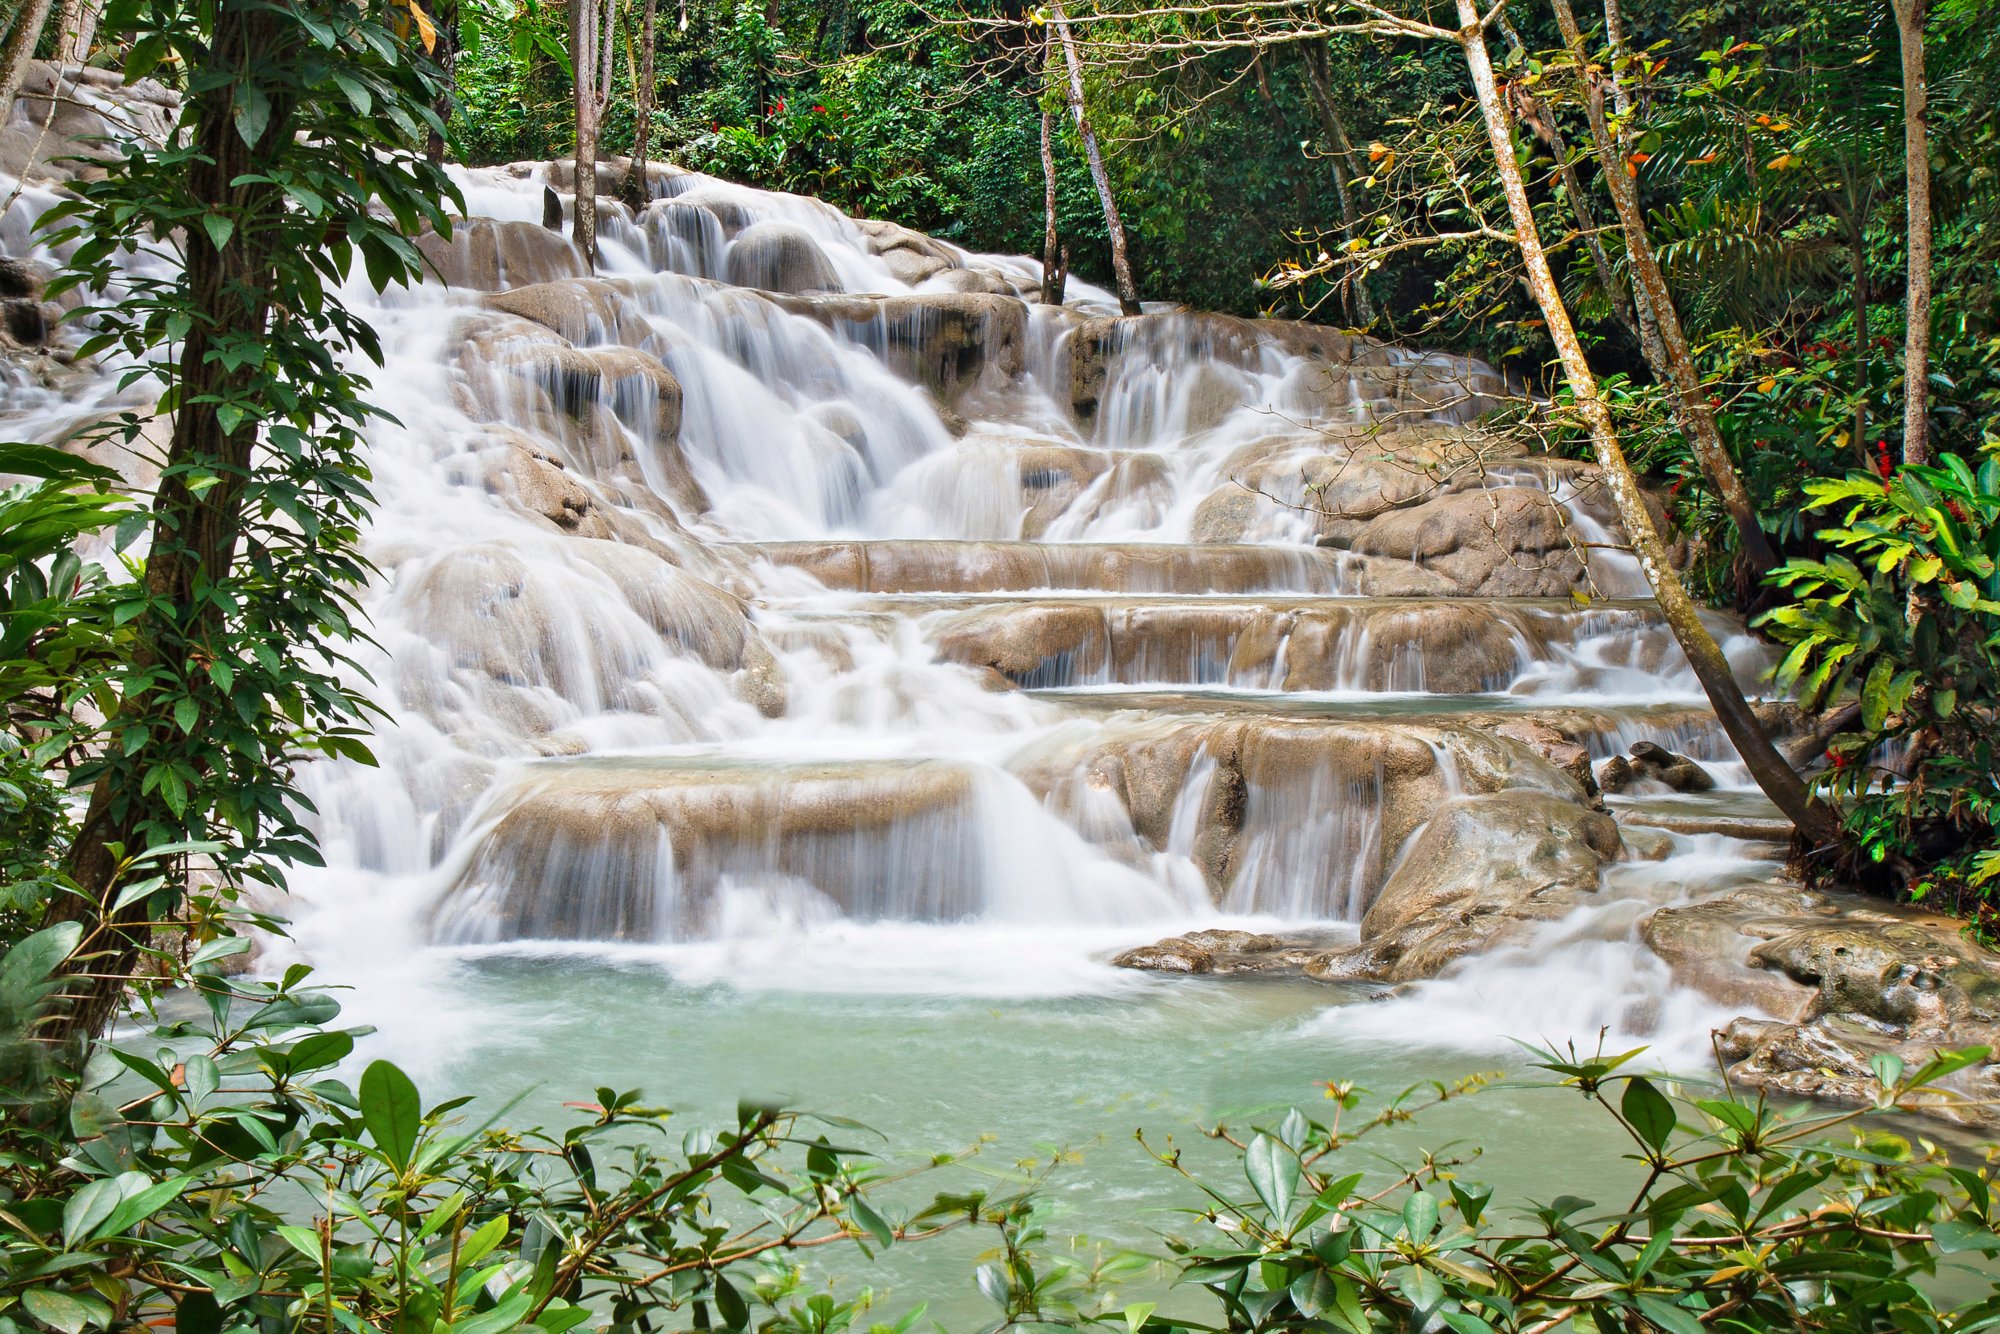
870 1221
1273 1170
1650 1112
71 1313
1420 1215
392 1111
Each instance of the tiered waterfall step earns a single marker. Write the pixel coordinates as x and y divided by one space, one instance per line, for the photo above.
1279 641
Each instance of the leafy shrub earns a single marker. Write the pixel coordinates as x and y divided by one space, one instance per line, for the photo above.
1743 1218
1901 622
219 1176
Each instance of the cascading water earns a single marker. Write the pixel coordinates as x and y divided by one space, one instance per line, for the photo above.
886 632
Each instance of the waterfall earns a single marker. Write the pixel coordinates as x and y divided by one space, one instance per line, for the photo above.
876 596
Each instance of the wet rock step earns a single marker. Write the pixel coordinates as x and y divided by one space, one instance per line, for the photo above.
1439 646
1744 815
896 566
1298 818
651 848
670 848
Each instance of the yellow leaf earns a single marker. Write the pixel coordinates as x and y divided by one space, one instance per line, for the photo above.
427 32
1767 384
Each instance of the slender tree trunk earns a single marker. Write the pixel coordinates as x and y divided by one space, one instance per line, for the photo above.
1697 415
195 532
20 49
1539 119
1121 267
1054 279
588 31
638 181
1341 151
1917 163
1778 779
447 58
1857 255
76 29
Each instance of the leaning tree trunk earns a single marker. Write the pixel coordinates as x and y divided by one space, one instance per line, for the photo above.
1341 151
1778 779
1542 121
195 531
20 49
1696 414
1121 267
1917 163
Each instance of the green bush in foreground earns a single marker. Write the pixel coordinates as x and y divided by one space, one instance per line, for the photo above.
219 1176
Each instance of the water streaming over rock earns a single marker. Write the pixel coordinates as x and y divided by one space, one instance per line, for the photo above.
799 573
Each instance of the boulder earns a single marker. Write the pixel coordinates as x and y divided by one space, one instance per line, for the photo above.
779 257
1481 870
583 311
1505 542
1650 760
1223 952
491 256
946 341
1843 979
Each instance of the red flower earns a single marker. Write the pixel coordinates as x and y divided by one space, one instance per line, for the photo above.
1839 760
1885 465
820 109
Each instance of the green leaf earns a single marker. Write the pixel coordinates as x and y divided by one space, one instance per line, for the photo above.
93 1203
219 229
1273 1170
251 112
1346 1311
869 1221
1650 1112
303 1240
1313 1292
1136 1315
1955 1236
392 1111
1420 1215
1875 701
69 1312
136 1208
729 1304
1670 1317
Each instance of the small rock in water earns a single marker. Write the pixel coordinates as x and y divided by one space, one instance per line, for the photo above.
1650 760
1222 951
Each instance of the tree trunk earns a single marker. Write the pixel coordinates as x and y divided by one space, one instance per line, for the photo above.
583 177
589 30
1857 257
638 180
1053 277
1778 779
75 31
1917 163
1341 150
1121 267
20 49
447 59
1546 128
195 532
1696 414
